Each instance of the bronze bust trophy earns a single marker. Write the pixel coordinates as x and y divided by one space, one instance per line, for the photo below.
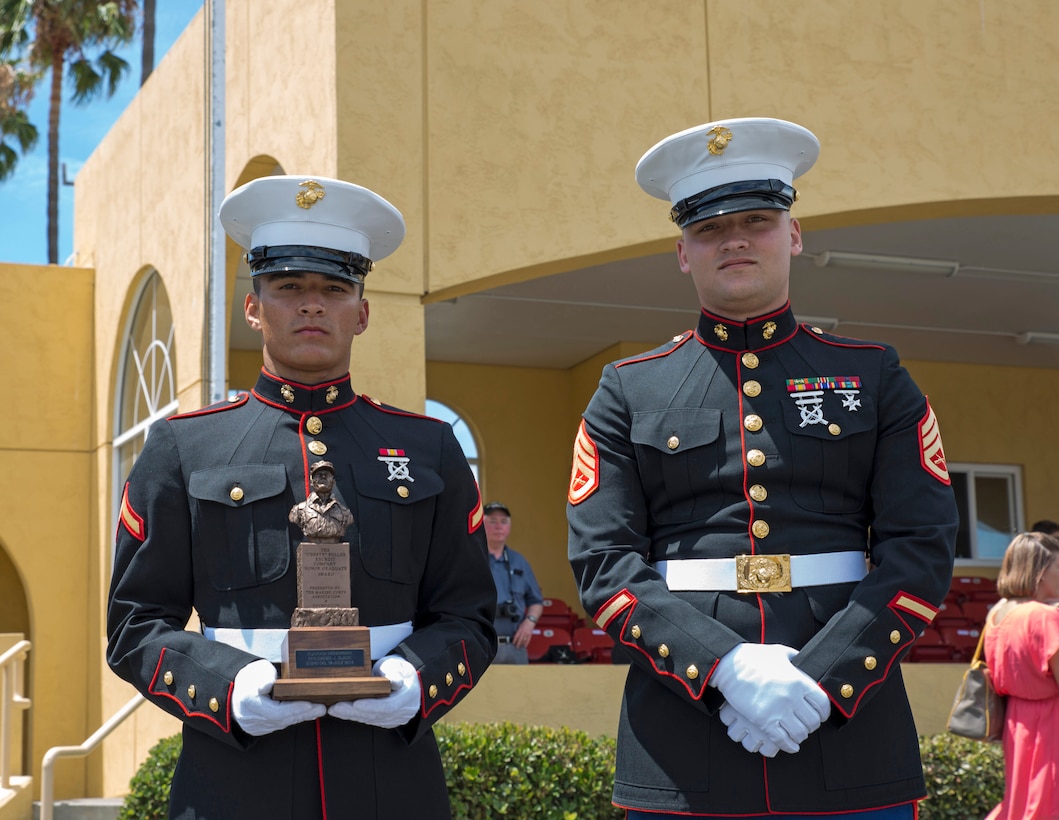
327 655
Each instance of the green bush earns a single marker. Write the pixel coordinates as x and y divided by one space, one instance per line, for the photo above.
965 778
508 770
148 797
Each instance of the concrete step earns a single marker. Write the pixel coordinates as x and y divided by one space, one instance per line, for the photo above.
86 808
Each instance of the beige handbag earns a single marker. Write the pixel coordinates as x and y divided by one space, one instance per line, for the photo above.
977 711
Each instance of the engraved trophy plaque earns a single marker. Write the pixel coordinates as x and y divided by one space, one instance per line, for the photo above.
327 654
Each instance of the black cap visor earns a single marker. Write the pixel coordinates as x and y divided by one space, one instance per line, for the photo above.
310 259
750 195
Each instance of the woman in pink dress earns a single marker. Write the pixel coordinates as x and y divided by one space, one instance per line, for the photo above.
1022 650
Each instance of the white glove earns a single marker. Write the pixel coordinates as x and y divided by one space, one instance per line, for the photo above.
255 710
763 686
751 738
397 708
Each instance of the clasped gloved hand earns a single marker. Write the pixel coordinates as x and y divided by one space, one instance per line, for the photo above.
750 737
770 693
254 709
397 708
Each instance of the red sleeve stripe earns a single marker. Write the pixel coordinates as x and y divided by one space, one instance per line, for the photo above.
584 474
474 519
130 519
914 606
614 607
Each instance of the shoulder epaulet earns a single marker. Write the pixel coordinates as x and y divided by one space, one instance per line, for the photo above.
238 400
659 352
395 411
827 337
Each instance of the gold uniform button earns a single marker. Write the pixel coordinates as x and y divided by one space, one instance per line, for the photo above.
753 423
693 672
214 705
448 679
433 691
191 691
817 331
402 491
635 631
663 651
313 426
673 443
168 678
895 637
317 448
870 663
236 494
758 493
755 458
834 429
461 669
846 691
751 388
750 360
760 528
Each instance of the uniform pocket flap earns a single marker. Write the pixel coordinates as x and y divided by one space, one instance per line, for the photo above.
829 417
675 430
409 489
236 485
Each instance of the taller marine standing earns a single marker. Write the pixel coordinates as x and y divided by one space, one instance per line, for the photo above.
761 514
204 526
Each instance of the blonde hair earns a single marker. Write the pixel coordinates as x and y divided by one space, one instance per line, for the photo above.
1027 557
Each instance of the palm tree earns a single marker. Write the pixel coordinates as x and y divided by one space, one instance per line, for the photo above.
147 55
41 35
16 90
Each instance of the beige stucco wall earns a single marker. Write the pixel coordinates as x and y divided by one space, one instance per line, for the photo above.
506 132
46 512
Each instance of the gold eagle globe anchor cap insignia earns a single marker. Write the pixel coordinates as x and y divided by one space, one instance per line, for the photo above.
311 224
728 166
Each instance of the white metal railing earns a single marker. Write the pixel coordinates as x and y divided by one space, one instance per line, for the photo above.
12 679
47 774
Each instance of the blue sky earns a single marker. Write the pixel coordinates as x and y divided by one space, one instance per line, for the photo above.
23 197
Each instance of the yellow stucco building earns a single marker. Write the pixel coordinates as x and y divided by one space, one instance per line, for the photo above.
507 133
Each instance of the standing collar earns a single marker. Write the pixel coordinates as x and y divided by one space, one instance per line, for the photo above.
754 334
304 398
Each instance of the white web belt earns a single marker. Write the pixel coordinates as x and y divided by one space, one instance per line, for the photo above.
268 643
763 573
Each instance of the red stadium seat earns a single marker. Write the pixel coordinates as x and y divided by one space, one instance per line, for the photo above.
592 645
962 640
557 613
952 614
967 586
543 639
975 612
931 647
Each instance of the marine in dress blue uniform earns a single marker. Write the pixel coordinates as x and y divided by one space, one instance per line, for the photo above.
760 513
204 526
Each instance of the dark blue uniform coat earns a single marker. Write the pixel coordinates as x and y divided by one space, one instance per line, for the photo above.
204 525
762 438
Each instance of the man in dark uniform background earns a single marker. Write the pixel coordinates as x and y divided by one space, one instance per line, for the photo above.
760 512
204 525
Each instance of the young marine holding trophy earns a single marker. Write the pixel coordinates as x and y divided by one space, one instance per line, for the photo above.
222 501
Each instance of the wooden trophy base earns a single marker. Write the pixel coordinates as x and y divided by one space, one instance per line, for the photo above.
328 664
330 690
